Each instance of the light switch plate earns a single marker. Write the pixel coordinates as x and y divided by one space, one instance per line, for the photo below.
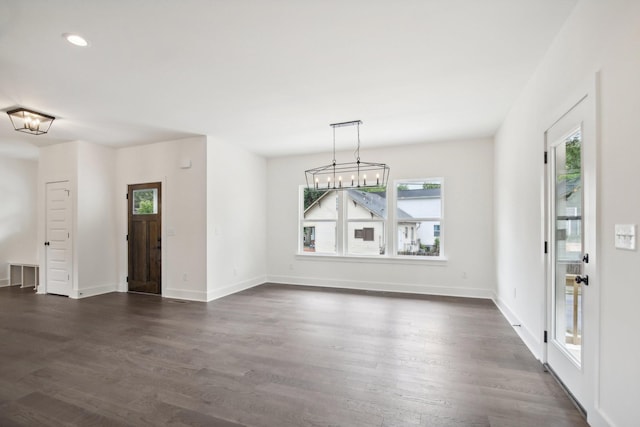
626 236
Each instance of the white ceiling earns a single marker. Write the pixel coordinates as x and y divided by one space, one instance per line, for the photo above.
269 75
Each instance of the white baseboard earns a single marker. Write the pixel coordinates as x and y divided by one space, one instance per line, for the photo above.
531 341
236 287
185 294
4 282
598 418
215 294
91 292
384 287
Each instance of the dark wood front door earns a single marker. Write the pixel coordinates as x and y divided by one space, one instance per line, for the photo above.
145 225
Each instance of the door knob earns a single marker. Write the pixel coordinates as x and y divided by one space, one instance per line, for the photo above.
583 279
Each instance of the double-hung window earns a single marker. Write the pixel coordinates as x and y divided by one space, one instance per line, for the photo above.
319 221
418 217
366 213
354 222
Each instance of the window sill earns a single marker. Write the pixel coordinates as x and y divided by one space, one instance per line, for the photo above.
406 259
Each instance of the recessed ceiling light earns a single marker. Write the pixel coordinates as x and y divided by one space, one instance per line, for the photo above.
75 39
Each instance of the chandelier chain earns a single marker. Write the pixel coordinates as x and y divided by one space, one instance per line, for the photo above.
334 156
358 149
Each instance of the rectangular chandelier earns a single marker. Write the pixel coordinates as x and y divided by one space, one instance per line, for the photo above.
339 176
31 122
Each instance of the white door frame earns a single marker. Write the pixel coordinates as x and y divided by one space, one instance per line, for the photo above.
589 93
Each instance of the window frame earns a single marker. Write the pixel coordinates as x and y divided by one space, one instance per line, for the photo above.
302 221
135 205
440 219
390 224
366 223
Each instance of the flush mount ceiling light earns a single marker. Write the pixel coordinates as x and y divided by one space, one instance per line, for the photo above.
75 39
339 176
28 121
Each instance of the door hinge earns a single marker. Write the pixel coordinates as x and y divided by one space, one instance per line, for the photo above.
127 196
545 336
128 282
127 237
545 158
546 247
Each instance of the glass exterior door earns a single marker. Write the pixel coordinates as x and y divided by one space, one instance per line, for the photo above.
568 245
572 307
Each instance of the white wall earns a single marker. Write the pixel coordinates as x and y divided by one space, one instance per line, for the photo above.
18 220
236 218
184 272
96 214
467 168
601 36
202 210
89 168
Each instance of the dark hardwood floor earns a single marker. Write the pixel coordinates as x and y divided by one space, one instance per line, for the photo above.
270 356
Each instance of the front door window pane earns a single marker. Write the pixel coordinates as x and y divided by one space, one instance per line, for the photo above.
145 201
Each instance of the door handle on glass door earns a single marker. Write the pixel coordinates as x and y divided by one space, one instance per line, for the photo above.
581 279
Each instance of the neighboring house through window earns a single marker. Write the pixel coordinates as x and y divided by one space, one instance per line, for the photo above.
418 217
366 211
354 221
319 223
